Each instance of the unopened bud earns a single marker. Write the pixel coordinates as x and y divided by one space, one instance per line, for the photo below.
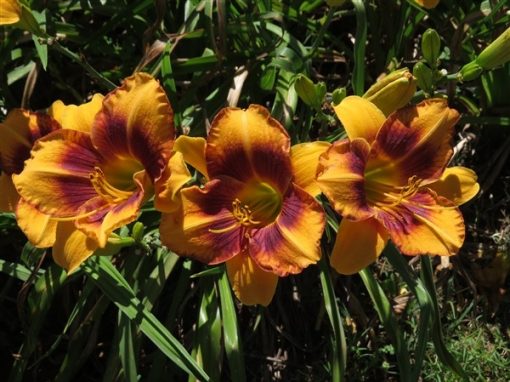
393 91
497 53
338 95
431 46
424 76
311 94
470 71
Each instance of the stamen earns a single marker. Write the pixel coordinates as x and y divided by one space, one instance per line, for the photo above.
105 189
244 217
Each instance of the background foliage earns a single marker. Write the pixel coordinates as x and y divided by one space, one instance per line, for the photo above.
401 319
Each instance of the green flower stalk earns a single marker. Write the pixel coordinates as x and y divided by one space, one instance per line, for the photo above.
393 91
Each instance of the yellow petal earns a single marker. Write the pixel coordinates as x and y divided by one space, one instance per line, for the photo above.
39 228
360 118
10 196
358 244
193 151
250 283
10 12
76 117
72 247
167 189
457 184
305 159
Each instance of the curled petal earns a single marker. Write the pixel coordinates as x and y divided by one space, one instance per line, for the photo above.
424 224
251 284
357 245
360 118
176 175
249 144
414 141
204 228
19 131
136 121
56 180
76 117
457 184
305 160
10 196
72 247
193 152
291 243
340 176
40 229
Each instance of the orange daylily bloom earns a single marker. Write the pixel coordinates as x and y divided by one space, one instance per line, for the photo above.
256 212
428 4
95 180
388 180
10 12
19 132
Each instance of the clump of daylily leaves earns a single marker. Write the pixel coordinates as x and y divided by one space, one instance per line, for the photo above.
75 174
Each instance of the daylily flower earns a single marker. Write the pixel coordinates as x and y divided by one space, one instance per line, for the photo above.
10 12
428 4
252 213
388 180
95 182
19 132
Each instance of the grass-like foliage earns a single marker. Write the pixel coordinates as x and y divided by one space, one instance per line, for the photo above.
138 311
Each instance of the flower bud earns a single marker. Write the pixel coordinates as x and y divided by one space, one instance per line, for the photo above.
497 53
424 76
311 94
470 71
338 95
431 46
10 12
393 91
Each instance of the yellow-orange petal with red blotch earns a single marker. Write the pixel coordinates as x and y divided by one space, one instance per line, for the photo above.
40 229
10 12
340 176
10 196
428 4
457 184
360 118
204 228
424 224
72 247
249 144
305 160
56 179
176 175
76 117
19 131
292 242
136 121
193 152
251 284
111 216
357 245
414 141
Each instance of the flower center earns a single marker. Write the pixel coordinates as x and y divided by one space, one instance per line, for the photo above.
257 205
381 194
105 189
